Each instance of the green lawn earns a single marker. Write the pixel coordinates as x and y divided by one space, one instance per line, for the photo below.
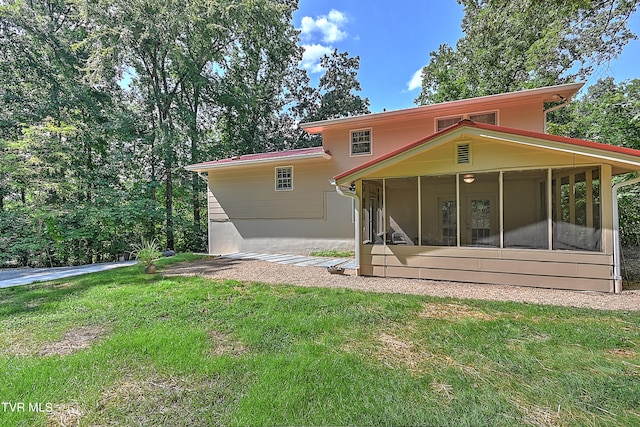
124 348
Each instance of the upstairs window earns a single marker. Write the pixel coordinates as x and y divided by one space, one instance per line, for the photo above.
284 178
446 122
488 117
361 142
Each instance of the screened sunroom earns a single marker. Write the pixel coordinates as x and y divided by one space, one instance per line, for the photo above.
547 209
518 208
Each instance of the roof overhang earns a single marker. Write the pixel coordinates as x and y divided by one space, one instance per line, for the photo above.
545 94
626 159
262 158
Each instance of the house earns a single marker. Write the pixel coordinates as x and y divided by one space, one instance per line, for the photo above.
471 190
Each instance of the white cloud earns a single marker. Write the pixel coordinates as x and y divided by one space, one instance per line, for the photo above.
311 57
416 81
329 26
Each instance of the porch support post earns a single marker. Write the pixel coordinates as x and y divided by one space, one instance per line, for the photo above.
458 233
550 208
419 212
501 207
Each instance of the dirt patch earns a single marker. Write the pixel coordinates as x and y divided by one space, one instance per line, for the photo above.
623 353
131 389
73 341
395 352
155 399
223 344
64 415
536 415
455 312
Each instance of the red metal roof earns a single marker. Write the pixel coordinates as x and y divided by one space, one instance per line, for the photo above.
501 129
258 157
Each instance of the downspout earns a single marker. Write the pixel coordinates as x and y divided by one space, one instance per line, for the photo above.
617 248
356 202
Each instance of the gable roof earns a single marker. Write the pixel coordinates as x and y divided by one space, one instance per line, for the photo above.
249 159
543 94
599 150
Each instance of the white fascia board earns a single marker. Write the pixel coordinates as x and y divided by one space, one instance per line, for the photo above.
207 167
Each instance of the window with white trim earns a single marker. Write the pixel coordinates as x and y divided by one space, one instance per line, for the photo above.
446 122
361 142
490 117
284 178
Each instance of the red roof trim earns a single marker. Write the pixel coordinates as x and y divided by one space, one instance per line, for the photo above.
502 129
262 156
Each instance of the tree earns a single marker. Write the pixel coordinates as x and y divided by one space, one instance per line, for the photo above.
607 113
257 69
513 45
166 46
337 88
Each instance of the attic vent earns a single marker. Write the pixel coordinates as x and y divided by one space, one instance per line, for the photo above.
464 156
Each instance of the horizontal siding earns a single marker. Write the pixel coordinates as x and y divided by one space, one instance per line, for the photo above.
249 192
216 212
549 269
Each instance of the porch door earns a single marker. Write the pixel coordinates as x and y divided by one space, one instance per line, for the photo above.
481 221
448 221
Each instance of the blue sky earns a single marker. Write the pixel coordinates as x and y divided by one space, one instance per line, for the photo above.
394 38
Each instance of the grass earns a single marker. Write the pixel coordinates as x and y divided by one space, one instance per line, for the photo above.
333 254
124 348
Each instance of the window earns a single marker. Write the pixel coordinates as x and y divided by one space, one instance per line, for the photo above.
489 118
361 142
284 178
445 123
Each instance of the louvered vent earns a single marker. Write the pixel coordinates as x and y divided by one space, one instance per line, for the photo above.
464 156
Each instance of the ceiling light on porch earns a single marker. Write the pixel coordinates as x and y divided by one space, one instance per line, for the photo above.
469 178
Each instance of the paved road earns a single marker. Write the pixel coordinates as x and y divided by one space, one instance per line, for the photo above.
24 276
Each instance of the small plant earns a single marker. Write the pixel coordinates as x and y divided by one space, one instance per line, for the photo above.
146 252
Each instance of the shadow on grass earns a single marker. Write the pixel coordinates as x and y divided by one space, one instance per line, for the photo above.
45 296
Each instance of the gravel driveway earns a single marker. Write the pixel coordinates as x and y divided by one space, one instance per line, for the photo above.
266 272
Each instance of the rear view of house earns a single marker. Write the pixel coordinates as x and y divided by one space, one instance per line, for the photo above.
471 190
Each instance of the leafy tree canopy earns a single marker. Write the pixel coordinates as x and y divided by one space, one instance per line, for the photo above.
520 44
607 113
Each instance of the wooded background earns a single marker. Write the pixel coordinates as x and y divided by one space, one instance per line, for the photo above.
103 103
